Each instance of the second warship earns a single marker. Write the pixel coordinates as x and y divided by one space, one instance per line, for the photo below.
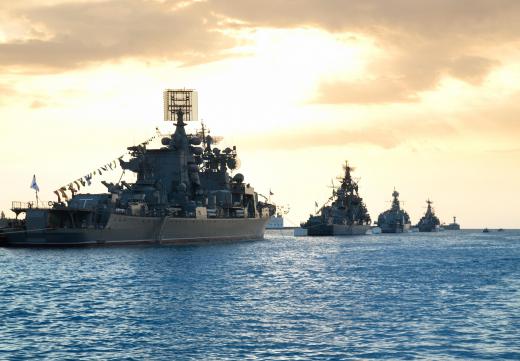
345 215
429 222
394 220
183 194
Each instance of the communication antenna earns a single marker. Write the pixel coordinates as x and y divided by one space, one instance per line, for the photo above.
177 101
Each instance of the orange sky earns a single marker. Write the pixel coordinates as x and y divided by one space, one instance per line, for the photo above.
420 95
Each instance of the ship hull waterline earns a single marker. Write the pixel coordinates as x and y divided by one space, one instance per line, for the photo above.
133 230
337 230
395 228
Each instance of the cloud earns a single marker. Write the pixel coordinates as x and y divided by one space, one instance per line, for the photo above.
374 91
482 19
471 69
76 34
401 79
422 41
6 92
37 104
483 126
384 134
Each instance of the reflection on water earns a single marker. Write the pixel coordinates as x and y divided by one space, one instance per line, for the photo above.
443 296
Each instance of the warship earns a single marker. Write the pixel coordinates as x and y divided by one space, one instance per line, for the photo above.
183 193
344 213
453 226
429 222
394 220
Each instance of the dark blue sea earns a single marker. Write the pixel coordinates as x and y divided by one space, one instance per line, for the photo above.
444 296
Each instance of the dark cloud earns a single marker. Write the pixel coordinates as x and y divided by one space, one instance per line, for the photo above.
82 33
471 69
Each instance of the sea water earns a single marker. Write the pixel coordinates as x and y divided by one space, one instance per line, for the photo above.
452 295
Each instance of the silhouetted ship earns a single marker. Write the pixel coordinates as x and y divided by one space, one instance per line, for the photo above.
183 194
429 222
346 214
453 226
394 220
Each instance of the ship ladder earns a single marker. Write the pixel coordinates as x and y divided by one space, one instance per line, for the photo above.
159 234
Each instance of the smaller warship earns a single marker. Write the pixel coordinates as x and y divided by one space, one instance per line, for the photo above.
429 222
453 226
343 214
394 220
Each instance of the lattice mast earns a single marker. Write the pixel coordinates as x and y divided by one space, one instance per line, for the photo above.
180 104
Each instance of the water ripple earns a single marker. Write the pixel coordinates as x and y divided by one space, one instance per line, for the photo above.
444 296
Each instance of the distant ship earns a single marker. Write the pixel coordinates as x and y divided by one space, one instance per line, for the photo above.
429 222
346 214
183 194
394 220
453 226
275 222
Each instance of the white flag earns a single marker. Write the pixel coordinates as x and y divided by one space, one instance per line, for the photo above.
34 185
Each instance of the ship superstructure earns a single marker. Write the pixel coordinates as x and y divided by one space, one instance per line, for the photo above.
343 214
394 220
183 193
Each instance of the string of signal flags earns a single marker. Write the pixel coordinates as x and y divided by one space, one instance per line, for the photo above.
85 181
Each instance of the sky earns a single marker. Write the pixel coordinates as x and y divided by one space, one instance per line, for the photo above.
420 95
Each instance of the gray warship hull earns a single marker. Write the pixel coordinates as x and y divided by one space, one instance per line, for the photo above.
337 230
395 228
123 229
428 228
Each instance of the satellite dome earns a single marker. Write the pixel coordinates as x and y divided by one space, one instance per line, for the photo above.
231 163
166 141
195 141
239 178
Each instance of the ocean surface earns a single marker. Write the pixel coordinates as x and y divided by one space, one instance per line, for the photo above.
443 296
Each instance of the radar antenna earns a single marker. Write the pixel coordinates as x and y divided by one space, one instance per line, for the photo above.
180 104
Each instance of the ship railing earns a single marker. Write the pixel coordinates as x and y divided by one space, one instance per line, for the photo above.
31 204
